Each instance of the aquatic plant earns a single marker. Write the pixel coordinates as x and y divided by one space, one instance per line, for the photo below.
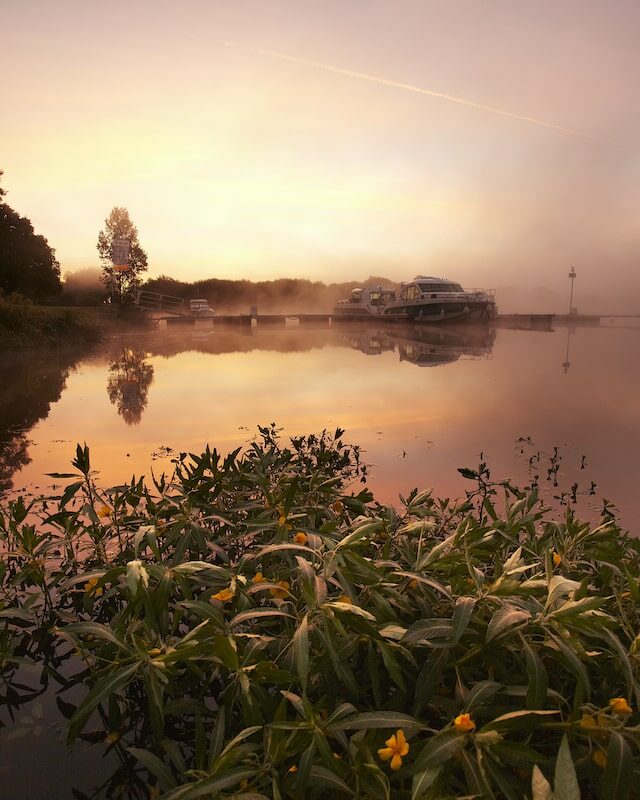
252 626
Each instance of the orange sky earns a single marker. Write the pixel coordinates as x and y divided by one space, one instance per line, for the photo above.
240 163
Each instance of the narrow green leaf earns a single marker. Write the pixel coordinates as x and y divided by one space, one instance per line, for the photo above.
618 774
379 719
439 749
518 719
422 781
429 678
210 786
97 630
573 661
538 677
325 777
101 691
504 619
359 533
301 651
155 766
462 615
481 693
565 781
257 614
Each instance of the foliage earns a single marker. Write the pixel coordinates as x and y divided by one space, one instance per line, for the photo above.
251 627
284 295
26 324
122 286
27 263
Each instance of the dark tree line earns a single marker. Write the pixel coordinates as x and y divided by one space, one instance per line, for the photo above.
28 264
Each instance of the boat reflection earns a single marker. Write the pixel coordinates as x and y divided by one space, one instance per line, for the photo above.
425 346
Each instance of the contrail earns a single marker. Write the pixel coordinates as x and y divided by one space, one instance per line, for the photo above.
363 76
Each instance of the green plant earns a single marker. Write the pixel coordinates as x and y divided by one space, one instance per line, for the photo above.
250 627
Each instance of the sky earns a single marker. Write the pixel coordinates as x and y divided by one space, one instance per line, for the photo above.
325 140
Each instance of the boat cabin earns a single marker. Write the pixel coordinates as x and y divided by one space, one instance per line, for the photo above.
421 286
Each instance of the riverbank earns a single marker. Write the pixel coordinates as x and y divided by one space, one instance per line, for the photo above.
26 325
259 624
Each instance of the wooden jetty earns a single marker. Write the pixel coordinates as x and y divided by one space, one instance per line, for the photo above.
533 322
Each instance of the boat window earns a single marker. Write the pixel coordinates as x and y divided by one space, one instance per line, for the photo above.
433 287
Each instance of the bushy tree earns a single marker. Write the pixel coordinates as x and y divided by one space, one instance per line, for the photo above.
121 285
27 264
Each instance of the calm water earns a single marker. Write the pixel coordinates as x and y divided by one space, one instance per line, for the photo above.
421 403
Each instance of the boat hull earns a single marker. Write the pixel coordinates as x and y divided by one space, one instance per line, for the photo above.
438 312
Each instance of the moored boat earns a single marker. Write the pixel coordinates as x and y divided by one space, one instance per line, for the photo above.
435 300
424 299
365 301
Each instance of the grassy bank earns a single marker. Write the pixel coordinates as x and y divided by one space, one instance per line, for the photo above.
24 324
256 627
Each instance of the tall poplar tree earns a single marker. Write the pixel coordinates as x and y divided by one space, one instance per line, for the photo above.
121 285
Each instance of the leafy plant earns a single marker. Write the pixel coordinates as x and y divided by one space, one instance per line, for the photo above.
252 626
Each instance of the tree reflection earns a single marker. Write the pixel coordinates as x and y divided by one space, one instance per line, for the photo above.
31 383
128 386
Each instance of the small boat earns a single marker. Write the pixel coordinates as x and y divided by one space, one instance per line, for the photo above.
200 308
366 301
424 299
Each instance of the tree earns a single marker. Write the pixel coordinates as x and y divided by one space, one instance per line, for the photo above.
121 285
27 264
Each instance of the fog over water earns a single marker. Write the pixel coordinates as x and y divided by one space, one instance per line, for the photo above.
421 402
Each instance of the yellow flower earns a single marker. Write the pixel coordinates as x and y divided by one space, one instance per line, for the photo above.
104 511
337 506
464 723
259 578
155 651
91 587
587 721
397 747
344 598
282 520
600 758
619 705
557 558
293 768
223 595
282 591
301 538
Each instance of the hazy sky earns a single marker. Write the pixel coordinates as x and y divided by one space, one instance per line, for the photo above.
240 163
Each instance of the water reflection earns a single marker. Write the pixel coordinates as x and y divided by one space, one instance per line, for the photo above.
31 382
424 346
416 425
130 377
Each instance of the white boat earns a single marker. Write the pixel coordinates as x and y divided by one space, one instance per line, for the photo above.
200 308
366 301
424 299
